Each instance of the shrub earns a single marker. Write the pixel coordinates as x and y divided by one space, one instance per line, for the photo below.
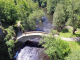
65 30
9 41
55 48
16 29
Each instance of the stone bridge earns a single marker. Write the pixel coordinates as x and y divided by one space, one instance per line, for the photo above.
29 35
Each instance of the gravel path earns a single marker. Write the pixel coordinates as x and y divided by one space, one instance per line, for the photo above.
69 39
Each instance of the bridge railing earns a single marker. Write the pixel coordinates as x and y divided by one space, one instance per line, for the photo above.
35 32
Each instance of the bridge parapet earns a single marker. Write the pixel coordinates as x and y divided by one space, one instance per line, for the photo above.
35 32
29 35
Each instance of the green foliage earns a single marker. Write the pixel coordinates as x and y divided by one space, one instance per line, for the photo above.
68 33
51 5
4 51
31 6
53 31
1 7
43 3
13 10
28 13
73 56
2 29
56 49
10 34
59 16
74 45
15 27
30 22
10 45
36 15
73 10
9 41
65 30
8 12
75 51
69 15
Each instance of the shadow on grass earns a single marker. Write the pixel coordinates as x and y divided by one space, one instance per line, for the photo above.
65 30
78 42
77 35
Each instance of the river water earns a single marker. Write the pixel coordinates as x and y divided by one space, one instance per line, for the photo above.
30 50
46 25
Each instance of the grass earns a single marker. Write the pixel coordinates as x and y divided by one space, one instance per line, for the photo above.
75 51
74 46
67 32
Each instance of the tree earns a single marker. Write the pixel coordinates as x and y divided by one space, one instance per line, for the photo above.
59 17
36 15
29 12
56 48
51 5
73 10
30 22
9 41
29 5
9 14
43 3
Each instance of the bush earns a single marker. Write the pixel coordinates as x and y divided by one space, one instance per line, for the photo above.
9 12
9 41
65 30
55 48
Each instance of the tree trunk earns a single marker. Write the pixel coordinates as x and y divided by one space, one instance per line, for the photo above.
74 30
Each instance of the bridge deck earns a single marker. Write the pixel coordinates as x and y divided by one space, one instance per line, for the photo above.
32 34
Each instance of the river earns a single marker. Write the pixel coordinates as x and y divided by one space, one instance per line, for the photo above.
30 50
46 25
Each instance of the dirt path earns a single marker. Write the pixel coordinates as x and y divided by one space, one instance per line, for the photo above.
69 39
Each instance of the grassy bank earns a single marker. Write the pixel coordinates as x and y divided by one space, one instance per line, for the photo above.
74 45
67 32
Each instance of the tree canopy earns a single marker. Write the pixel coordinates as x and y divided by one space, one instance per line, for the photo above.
56 48
59 16
8 11
73 10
